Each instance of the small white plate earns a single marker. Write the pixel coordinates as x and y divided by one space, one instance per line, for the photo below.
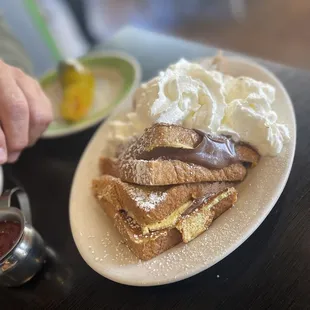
99 243
117 75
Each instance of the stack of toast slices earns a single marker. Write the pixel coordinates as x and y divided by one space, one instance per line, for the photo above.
159 202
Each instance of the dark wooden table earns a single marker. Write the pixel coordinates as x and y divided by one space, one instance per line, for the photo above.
271 270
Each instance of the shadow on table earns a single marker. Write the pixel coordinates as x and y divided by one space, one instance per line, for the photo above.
65 148
55 274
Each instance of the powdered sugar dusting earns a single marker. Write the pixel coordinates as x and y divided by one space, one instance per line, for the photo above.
146 200
137 171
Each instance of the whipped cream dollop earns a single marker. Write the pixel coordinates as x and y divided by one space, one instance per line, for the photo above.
187 94
184 94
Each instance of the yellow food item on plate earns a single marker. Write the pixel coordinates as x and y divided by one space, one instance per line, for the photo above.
77 100
77 83
72 71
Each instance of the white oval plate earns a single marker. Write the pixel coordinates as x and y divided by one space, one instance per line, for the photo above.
116 74
100 245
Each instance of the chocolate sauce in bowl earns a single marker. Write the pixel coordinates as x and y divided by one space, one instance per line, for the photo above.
9 235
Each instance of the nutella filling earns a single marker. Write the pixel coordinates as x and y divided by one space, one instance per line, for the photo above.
212 152
198 202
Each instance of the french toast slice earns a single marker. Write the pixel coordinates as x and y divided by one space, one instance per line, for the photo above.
131 168
168 135
152 207
145 247
188 227
168 172
195 223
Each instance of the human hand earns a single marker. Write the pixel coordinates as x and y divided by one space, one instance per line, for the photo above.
25 112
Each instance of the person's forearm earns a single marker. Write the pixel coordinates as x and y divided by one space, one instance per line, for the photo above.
11 51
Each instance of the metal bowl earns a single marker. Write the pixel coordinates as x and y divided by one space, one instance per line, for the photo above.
26 257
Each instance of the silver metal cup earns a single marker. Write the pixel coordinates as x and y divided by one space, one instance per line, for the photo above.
26 257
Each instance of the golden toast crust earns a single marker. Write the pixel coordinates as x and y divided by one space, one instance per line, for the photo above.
149 205
168 172
160 172
148 246
167 135
199 220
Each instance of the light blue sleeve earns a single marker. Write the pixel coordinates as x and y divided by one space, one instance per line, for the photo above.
11 50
